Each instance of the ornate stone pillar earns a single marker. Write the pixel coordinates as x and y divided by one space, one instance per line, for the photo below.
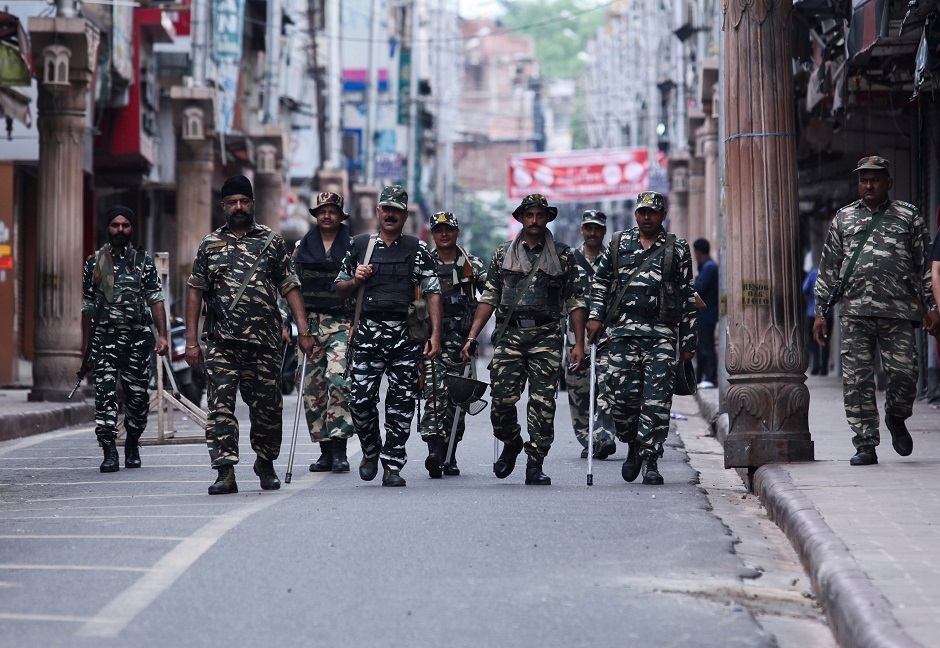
64 52
364 200
679 216
194 122
767 400
270 145
709 143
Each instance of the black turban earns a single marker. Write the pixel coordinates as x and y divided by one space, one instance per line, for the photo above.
237 185
119 210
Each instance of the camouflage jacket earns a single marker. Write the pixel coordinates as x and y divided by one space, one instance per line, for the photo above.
644 291
571 292
221 263
891 267
586 277
135 288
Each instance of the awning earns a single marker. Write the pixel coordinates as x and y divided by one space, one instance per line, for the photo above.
16 66
869 23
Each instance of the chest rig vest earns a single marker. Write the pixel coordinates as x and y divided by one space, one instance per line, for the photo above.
317 272
642 298
456 286
543 296
389 289
589 270
127 306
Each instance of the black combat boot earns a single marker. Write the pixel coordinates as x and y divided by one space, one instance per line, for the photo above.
864 456
112 462
325 462
631 467
225 482
265 471
391 477
131 453
450 467
340 462
651 476
604 449
534 475
901 439
435 461
507 458
368 468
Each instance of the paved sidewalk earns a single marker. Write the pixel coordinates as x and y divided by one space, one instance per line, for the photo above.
868 536
19 417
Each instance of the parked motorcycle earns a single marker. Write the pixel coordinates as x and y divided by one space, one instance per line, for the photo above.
191 382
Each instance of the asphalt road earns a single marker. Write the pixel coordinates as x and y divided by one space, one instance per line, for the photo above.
146 558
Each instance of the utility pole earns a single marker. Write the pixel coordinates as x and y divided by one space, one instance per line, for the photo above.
317 81
371 96
414 146
272 84
334 84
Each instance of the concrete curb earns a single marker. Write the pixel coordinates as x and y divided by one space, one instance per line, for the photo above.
21 424
859 615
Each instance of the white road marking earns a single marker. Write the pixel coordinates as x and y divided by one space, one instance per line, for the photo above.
75 536
12 616
7 447
15 566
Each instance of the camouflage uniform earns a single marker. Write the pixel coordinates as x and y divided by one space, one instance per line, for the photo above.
579 382
458 316
641 350
530 349
877 305
382 344
325 388
122 341
245 351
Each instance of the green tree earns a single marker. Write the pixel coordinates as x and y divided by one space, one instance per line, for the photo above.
482 225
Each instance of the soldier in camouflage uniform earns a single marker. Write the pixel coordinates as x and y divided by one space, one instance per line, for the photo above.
317 261
383 342
642 332
461 276
879 304
528 347
588 255
118 284
243 343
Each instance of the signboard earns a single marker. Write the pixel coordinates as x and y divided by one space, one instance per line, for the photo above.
227 31
579 176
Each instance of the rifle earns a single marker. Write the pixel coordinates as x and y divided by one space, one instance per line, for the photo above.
86 357
216 315
834 297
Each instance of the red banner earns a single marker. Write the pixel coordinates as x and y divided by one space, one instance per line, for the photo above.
580 175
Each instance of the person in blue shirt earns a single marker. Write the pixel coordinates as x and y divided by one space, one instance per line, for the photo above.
706 285
818 355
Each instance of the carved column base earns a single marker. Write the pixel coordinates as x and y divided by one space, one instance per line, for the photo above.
52 370
768 420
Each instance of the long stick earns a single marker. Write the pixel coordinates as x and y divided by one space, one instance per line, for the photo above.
293 441
434 396
453 428
590 457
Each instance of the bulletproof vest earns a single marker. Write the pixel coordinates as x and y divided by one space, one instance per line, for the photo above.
454 300
588 270
389 289
543 295
316 283
641 299
128 306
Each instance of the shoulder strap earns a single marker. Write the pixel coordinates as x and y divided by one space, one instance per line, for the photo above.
251 271
850 266
515 302
615 305
362 289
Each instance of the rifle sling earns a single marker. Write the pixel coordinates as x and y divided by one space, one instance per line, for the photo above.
362 289
847 271
251 271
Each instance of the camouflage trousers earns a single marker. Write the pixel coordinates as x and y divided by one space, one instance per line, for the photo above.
127 353
579 396
384 348
253 370
639 390
326 391
895 338
449 362
530 355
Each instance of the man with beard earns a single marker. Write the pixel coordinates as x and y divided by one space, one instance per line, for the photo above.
384 270
644 326
531 284
119 283
317 261
241 268
588 255
461 276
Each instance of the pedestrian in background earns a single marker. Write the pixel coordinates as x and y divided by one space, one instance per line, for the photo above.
119 285
240 269
461 278
317 260
588 255
875 260
706 319
818 355
531 284
643 291
390 267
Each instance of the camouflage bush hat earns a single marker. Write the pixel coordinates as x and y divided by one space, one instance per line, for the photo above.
394 196
652 199
873 163
594 216
444 218
535 200
328 198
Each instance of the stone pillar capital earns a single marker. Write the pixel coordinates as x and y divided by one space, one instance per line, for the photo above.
64 50
194 112
271 145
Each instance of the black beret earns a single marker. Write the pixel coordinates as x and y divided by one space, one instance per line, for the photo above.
237 185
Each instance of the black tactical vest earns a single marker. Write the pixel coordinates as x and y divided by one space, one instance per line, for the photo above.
128 307
389 289
316 282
